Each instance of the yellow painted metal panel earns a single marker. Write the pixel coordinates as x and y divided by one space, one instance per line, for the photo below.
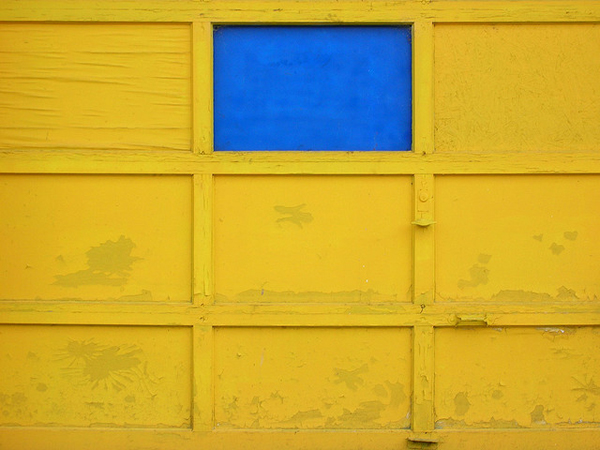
509 87
73 237
95 376
74 86
517 239
517 377
337 378
313 239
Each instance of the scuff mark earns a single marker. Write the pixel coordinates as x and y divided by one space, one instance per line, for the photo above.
294 214
497 394
556 248
493 423
556 330
461 403
109 264
351 377
144 296
266 296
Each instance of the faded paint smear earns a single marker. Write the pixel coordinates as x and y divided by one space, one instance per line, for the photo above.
108 366
351 377
461 403
294 214
109 264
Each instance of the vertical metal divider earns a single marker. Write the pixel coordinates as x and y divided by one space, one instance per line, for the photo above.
202 238
423 230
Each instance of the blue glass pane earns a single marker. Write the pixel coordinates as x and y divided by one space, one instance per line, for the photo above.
312 88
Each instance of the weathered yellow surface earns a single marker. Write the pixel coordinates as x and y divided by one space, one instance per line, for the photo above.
312 378
541 377
517 87
312 239
185 299
99 86
517 239
78 376
72 237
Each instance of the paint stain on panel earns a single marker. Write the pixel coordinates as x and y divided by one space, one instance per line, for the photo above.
537 415
109 264
556 249
587 387
478 275
302 416
366 413
461 403
570 235
397 395
351 378
483 258
294 214
497 394
112 367
538 237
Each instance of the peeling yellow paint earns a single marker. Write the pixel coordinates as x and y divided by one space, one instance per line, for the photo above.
107 124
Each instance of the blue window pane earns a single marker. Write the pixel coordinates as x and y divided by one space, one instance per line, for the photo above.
312 88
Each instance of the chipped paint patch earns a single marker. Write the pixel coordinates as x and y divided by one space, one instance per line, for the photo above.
294 214
108 366
351 378
537 415
461 403
571 235
556 249
109 264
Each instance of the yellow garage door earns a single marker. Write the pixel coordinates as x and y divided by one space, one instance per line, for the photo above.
425 277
